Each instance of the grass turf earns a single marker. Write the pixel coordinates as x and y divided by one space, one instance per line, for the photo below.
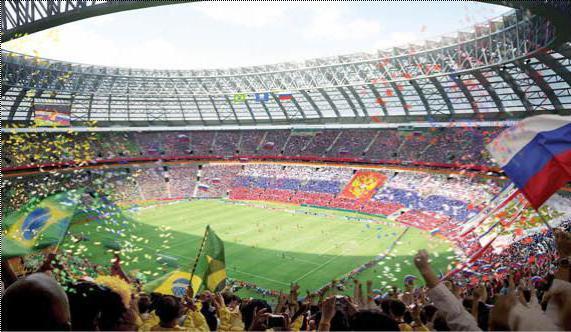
268 247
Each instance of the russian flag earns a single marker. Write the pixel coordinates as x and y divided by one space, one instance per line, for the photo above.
285 96
536 155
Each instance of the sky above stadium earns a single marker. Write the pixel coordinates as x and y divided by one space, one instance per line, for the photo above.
222 34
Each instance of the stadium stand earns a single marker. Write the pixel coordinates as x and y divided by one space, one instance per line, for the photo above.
374 145
227 143
351 144
487 76
251 141
202 142
217 180
182 181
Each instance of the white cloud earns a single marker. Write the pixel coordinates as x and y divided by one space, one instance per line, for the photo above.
253 14
162 54
230 34
86 46
35 44
329 24
398 39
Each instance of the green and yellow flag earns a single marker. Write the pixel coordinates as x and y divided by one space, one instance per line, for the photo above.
212 264
38 227
209 270
174 283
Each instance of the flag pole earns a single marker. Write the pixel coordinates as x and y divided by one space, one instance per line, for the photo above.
60 241
198 256
544 219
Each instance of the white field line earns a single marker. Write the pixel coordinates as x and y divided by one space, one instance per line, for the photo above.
336 246
383 256
181 243
299 260
326 251
260 277
319 267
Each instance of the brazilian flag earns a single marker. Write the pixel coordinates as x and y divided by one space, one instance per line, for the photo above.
212 264
209 270
175 283
39 226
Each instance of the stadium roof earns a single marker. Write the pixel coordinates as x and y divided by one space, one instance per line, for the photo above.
510 67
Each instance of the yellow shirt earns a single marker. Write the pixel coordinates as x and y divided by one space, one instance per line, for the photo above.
195 321
421 328
159 328
296 325
230 320
148 321
405 327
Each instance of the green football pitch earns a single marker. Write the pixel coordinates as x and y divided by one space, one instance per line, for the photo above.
265 243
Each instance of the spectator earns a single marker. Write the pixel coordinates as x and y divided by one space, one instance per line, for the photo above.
35 303
169 310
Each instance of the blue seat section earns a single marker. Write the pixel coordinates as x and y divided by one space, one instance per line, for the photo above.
439 204
318 186
315 186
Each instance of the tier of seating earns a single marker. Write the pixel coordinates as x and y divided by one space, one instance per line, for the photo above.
182 181
216 180
351 143
443 145
457 198
226 143
421 200
443 197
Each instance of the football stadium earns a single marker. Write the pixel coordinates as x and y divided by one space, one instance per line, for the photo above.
421 187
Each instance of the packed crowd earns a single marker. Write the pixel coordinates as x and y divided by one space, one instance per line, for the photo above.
351 143
152 182
437 145
297 144
182 180
176 143
459 198
530 296
226 143
422 200
526 286
216 180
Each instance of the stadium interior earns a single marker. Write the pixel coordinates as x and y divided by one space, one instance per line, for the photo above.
166 200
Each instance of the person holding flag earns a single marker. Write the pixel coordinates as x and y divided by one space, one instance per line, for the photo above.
41 226
211 261
208 271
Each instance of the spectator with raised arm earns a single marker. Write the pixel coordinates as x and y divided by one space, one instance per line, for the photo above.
449 305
